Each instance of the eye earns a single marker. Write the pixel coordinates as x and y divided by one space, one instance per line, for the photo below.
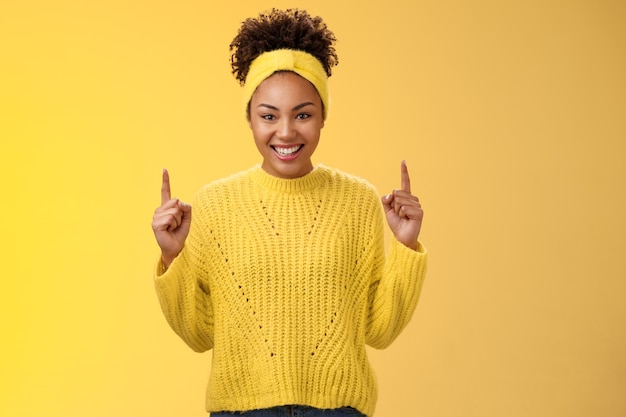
303 116
268 117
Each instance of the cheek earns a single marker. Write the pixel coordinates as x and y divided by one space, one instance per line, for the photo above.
258 130
262 135
315 131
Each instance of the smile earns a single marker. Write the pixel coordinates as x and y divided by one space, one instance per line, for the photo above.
286 152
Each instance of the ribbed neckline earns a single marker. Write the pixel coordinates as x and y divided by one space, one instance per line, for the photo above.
313 179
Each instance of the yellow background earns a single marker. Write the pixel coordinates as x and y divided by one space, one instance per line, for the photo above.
511 115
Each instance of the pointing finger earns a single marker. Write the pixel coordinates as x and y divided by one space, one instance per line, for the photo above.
165 188
405 180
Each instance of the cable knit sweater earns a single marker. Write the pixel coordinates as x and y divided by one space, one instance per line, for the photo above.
287 281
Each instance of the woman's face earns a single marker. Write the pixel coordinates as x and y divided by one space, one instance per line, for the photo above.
286 119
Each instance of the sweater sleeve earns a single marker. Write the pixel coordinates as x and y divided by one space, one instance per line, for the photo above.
184 296
394 292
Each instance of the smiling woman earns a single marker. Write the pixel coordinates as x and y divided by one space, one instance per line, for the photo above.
282 269
510 114
286 122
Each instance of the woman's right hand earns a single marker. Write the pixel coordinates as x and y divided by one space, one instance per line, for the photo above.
170 223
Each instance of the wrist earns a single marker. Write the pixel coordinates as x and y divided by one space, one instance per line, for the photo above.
412 245
166 261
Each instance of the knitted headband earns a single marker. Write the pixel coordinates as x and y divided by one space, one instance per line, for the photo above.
302 63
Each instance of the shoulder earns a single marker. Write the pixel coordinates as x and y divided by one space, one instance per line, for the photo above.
349 182
357 199
212 192
231 181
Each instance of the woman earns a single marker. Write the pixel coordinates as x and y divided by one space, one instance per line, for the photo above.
283 271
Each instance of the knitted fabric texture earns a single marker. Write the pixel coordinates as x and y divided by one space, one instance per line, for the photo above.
302 63
287 281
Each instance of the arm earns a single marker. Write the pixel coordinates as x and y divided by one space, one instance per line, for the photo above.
179 278
394 292
185 300
396 286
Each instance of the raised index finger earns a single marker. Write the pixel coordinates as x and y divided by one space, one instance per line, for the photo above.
405 181
165 187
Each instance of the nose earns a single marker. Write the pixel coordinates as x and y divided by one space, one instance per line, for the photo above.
285 129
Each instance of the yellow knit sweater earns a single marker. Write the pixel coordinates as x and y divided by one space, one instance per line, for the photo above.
287 281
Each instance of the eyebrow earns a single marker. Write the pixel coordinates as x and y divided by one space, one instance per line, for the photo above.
296 108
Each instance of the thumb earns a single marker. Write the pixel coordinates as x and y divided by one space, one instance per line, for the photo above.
387 200
185 208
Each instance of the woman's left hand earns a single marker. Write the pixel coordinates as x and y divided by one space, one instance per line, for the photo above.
404 211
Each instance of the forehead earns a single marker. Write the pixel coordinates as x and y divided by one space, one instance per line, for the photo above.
286 86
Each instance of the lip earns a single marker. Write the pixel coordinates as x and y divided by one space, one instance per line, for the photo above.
290 157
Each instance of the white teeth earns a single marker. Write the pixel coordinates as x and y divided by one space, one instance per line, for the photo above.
287 151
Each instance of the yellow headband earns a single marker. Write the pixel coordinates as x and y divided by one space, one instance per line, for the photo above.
302 63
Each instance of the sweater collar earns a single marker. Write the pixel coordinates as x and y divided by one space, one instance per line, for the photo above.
313 179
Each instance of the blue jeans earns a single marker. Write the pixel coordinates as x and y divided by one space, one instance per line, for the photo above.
293 411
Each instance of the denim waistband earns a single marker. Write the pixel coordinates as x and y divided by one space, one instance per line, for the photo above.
293 411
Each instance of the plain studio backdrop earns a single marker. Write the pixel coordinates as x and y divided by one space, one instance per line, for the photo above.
510 114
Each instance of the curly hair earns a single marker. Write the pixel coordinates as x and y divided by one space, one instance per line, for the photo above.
282 29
